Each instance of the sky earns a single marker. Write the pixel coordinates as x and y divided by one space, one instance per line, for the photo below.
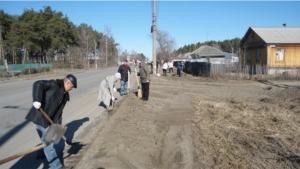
188 22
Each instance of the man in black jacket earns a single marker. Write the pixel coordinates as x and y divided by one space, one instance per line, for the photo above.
124 70
52 96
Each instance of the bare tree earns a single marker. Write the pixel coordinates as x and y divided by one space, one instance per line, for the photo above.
86 37
216 45
166 43
107 36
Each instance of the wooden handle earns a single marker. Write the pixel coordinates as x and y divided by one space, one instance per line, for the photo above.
22 154
137 80
48 118
45 114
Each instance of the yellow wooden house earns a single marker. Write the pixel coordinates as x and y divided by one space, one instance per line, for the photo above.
272 47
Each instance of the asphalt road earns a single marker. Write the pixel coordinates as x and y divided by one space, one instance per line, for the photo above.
18 134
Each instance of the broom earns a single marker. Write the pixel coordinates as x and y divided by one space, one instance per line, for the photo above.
139 95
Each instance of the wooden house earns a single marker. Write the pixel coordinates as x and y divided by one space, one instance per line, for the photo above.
276 48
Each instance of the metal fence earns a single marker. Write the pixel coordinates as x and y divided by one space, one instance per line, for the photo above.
20 67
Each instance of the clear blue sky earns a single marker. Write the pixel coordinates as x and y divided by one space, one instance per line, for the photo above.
186 21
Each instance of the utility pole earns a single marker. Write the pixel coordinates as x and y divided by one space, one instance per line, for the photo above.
153 31
2 51
95 55
1 45
106 51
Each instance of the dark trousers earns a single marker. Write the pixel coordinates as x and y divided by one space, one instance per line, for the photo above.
145 90
165 72
179 72
170 69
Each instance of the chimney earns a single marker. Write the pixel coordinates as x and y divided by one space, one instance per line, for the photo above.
284 24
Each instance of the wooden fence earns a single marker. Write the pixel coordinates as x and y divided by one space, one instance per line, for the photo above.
238 72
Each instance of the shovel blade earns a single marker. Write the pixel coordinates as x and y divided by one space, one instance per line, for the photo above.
54 133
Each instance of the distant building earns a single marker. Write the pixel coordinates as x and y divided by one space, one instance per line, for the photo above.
213 55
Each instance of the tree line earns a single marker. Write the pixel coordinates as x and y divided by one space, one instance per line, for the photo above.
166 46
47 36
229 45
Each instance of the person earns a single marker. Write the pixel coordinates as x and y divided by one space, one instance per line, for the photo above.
170 64
107 89
124 70
144 74
179 68
51 96
157 64
165 67
151 64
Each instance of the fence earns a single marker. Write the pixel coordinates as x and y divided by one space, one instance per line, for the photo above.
19 67
237 72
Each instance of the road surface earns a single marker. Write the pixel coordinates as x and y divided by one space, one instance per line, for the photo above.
18 134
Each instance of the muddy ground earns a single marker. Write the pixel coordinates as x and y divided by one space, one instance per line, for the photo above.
193 122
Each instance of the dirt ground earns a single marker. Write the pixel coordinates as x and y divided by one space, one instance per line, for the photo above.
193 122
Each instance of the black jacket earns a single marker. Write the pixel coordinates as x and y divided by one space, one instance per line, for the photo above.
124 72
53 98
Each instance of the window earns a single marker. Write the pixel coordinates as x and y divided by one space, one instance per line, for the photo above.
258 55
279 54
249 55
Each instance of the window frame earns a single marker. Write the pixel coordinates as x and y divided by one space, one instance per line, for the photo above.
258 55
279 54
249 55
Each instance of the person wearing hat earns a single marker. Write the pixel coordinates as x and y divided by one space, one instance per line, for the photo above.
106 89
144 74
51 96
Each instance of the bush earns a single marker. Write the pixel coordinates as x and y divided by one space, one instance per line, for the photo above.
80 66
29 71
43 69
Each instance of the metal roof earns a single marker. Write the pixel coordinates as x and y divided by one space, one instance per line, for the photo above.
229 55
278 35
207 51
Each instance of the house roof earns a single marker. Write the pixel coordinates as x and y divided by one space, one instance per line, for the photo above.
277 34
207 51
229 55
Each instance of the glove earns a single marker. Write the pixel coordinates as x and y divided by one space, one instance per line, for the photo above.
115 90
112 98
36 105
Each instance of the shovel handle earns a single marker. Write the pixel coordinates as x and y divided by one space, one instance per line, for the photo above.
48 118
45 115
22 154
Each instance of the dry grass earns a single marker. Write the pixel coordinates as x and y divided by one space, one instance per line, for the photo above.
262 133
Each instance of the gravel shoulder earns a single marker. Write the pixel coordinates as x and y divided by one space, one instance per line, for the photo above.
193 122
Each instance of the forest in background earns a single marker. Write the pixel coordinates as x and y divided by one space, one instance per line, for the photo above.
47 36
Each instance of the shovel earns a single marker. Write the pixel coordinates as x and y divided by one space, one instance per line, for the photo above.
48 118
112 106
53 135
